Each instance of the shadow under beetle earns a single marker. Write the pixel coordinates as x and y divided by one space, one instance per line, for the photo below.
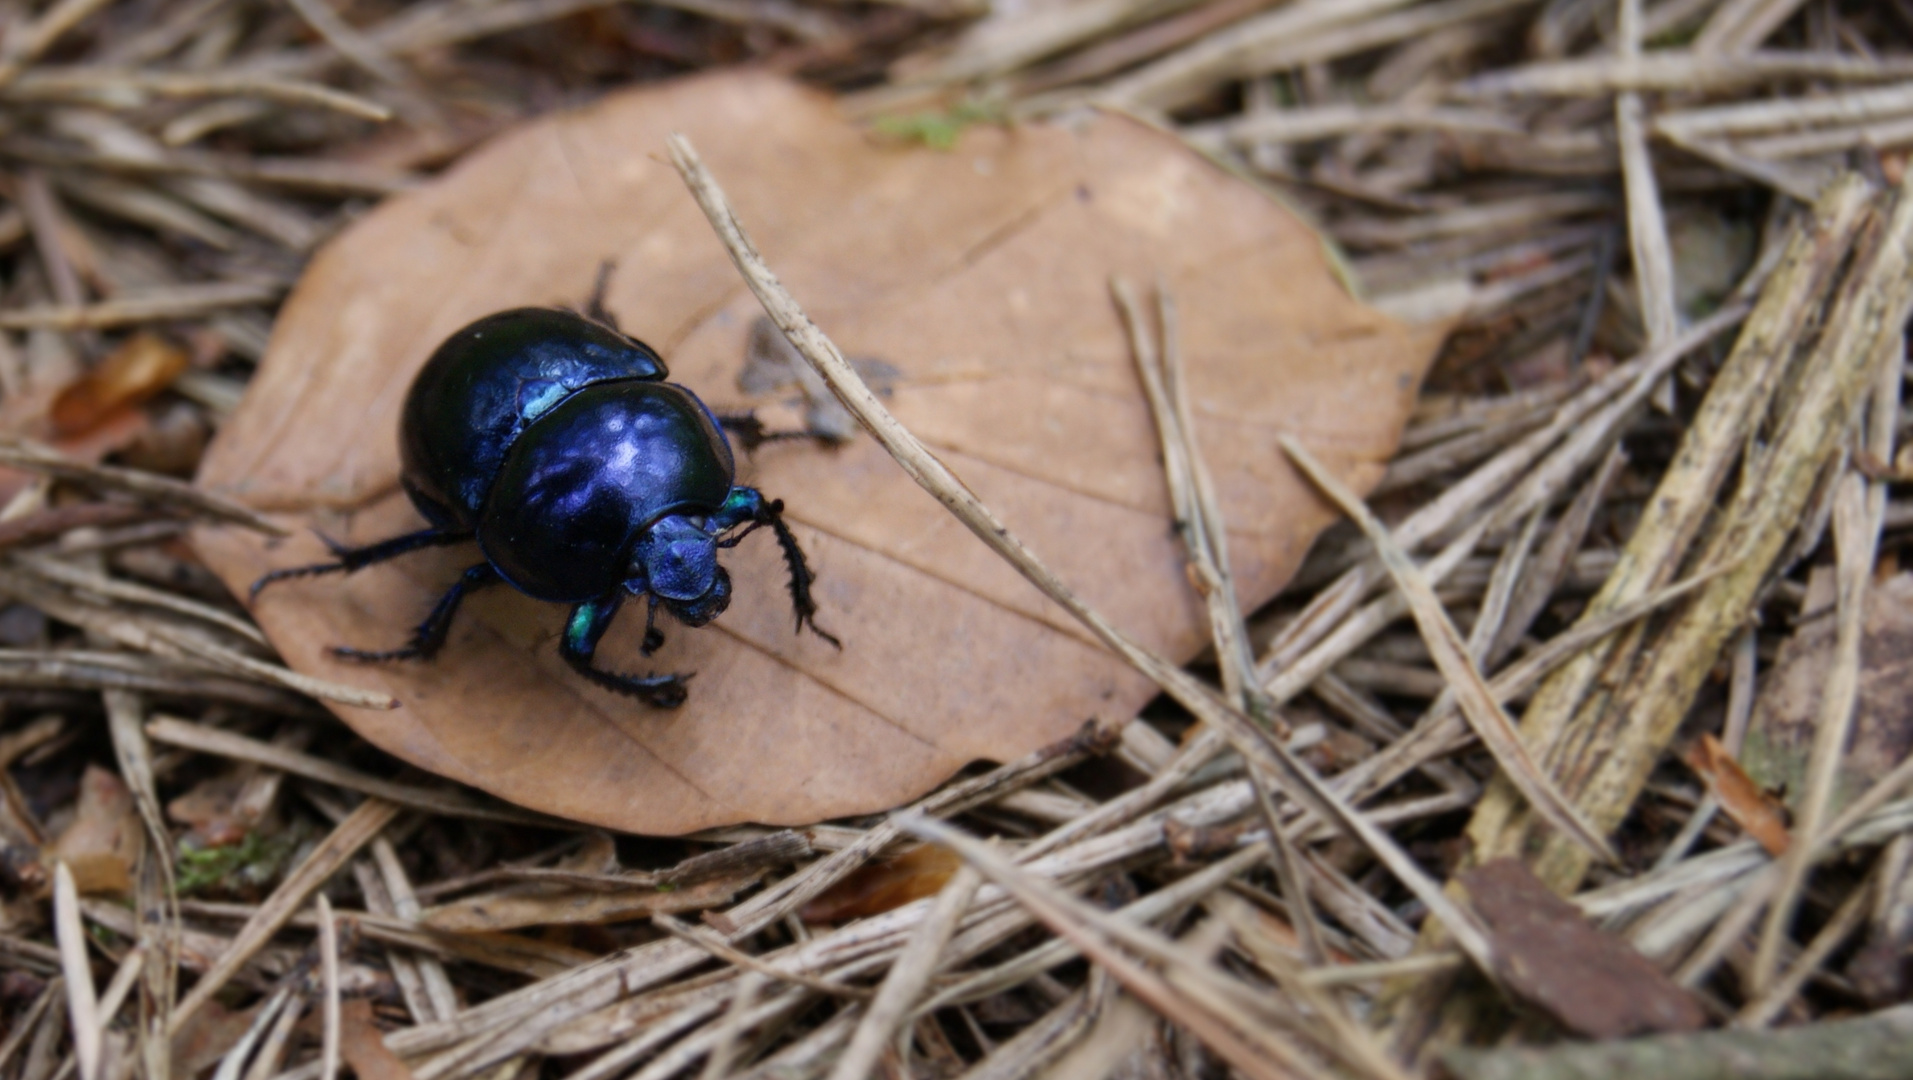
553 440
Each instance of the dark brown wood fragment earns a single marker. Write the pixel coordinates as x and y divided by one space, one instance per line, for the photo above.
1595 984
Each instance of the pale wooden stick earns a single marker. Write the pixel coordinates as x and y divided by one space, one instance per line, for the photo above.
142 485
174 731
329 967
438 985
1646 222
82 1006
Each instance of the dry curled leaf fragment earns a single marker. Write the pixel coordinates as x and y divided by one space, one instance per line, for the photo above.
140 368
1548 953
1759 813
102 844
362 1044
884 885
980 278
1781 732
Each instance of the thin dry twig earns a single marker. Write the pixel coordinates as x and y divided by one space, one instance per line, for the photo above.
329 973
82 1006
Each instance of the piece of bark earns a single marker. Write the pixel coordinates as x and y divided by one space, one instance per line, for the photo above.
1595 984
1874 1047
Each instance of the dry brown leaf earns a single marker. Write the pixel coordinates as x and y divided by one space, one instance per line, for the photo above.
211 809
1780 734
980 276
208 1036
363 1045
1755 811
880 886
1548 953
104 840
114 433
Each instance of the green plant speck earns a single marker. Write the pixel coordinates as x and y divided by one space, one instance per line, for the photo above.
939 130
256 857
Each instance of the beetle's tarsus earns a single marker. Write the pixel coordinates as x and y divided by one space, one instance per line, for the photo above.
660 691
579 644
430 636
594 305
349 558
653 637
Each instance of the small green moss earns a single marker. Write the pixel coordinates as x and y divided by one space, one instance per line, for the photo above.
1678 38
256 858
939 130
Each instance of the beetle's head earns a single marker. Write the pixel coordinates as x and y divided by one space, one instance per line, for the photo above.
676 561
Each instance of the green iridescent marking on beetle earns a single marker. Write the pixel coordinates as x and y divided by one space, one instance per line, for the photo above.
537 396
578 627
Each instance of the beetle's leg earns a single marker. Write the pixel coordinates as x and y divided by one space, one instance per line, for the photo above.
355 558
653 637
585 627
747 507
430 635
751 433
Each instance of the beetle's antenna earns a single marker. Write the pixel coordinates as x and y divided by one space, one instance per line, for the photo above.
800 574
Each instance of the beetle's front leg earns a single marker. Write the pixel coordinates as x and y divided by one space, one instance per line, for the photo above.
430 635
748 507
579 645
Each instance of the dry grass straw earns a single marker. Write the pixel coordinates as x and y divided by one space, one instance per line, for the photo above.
329 971
82 1003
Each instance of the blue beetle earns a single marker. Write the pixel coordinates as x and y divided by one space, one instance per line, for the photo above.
552 439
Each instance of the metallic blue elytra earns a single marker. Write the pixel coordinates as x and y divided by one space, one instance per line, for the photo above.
485 384
553 440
